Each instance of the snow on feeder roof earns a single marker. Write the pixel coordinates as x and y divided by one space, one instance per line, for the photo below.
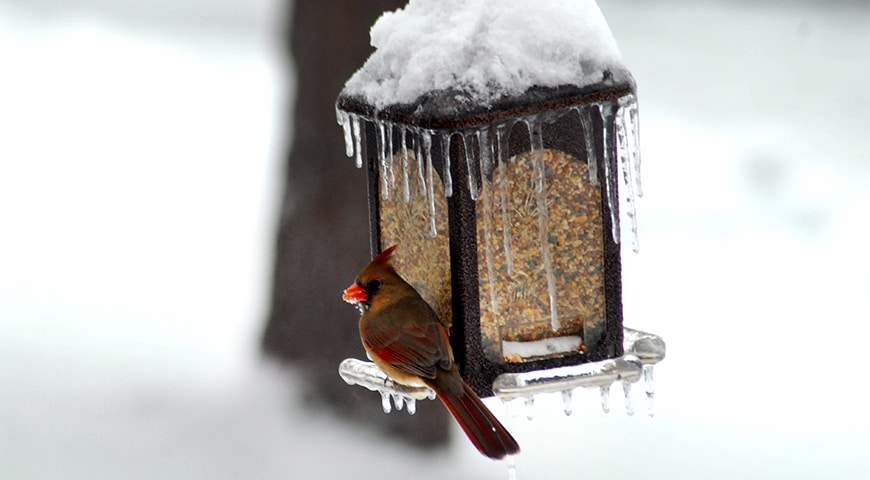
495 134
488 50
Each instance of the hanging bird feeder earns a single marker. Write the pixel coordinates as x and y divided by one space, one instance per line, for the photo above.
505 195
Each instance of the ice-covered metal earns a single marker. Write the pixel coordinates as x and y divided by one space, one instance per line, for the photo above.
368 375
642 352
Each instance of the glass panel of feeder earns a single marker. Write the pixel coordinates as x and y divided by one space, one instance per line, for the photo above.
412 212
517 319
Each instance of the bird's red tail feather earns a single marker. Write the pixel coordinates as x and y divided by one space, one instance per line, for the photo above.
484 430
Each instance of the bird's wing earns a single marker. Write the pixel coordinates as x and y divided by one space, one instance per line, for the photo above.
418 350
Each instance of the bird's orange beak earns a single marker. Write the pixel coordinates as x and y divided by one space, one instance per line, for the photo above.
354 294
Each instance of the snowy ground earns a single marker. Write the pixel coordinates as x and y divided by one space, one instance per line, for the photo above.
139 168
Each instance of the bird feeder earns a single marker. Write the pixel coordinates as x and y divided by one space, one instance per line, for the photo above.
507 216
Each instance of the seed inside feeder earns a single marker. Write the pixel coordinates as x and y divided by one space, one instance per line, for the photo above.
423 259
531 198
515 308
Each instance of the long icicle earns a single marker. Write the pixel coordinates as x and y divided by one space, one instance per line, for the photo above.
624 155
472 178
445 155
501 133
418 157
591 161
357 140
388 145
635 146
485 192
430 186
537 147
406 165
606 112
382 158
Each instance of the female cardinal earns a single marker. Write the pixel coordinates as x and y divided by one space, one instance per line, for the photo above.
403 336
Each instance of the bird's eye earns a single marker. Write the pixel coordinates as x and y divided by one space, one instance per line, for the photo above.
373 286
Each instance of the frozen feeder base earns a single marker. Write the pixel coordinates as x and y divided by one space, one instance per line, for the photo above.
642 352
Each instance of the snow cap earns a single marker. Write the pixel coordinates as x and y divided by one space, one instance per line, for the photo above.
488 48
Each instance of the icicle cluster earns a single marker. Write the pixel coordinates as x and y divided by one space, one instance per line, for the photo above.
367 374
420 141
619 143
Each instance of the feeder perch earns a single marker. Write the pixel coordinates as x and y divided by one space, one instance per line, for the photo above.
507 216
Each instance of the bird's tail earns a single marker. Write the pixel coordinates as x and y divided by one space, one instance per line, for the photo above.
484 430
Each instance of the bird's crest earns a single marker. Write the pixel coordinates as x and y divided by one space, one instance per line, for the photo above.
384 257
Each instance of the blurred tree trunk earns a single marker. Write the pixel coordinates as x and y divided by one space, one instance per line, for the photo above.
323 237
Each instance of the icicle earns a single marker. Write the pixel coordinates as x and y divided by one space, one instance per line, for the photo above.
403 138
502 140
385 402
406 166
650 392
418 156
537 147
357 140
399 401
382 158
508 410
588 139
430 183
605 398
567 401
508 418
445 155
606 112
485 190
634 144
530 408
411 406
472 177
512 467
391 174
631 123
626 391
344 120
625 165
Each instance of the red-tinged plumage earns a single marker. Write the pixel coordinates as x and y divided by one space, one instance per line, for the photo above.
405 338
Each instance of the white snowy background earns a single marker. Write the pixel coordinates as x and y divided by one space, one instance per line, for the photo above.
140 165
